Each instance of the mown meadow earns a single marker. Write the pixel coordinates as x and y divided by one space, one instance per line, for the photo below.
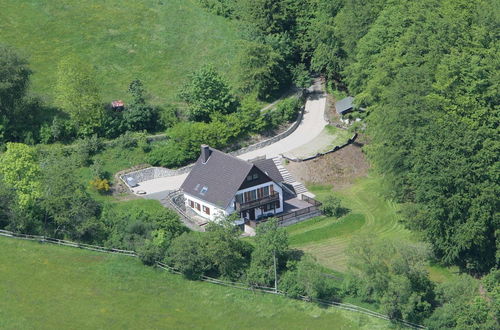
372 215
46 287
158 42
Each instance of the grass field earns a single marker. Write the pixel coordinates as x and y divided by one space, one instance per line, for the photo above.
54 287
158 41
372 214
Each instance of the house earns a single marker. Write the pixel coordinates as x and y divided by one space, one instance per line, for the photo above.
220 184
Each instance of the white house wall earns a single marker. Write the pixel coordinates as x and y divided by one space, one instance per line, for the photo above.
215 211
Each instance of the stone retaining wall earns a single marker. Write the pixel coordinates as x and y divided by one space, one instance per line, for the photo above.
272 140
336 148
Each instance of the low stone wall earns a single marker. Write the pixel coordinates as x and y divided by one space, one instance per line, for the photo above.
336 148
152 173
274 139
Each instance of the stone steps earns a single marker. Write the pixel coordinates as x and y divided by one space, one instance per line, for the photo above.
298 187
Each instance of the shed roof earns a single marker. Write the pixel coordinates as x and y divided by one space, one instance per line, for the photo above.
344 105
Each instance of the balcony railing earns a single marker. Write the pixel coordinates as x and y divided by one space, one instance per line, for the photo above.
258 202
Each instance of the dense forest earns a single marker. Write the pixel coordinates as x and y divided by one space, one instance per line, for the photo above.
427 73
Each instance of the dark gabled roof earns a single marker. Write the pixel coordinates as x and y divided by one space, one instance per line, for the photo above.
344 105
218 179
269 168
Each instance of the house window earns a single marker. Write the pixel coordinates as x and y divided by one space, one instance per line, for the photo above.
206 210
191 203
239 198
198 206
277 204
250 195
252 177
263 192
203 191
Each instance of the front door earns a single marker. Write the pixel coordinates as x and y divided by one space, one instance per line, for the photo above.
251 213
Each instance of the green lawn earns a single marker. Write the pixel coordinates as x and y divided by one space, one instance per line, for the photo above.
371 214
54 287
158 41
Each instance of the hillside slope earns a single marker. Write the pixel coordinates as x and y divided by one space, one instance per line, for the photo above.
48 287
156 41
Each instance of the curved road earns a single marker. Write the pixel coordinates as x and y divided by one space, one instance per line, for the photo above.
310 127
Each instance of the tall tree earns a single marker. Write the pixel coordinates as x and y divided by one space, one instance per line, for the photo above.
65 200
271 241
139 115
207 94
14 81
78 94
394 275
262 69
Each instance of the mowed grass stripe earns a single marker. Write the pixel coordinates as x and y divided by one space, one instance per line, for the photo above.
380 220
343 227
159 42
54 287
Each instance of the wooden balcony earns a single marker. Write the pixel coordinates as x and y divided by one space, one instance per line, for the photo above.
258 202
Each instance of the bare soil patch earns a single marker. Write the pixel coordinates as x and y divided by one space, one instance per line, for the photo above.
339 169
330 112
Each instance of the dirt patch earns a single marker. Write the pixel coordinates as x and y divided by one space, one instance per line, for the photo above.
339 168
330 112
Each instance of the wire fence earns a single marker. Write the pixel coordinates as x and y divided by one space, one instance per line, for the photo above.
237 285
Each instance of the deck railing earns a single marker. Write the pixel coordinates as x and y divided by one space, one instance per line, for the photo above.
314 208
258 202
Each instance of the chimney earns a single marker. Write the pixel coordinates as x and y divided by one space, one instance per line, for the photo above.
205 153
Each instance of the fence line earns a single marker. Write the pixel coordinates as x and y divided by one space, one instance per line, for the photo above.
237 285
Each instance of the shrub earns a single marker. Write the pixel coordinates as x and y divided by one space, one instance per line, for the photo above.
85 148
169 116
154 249
332 207
101 185
187 254
128 140
97 170
304 278
289 109
168 155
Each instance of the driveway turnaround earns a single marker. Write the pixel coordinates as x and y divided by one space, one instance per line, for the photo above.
309 128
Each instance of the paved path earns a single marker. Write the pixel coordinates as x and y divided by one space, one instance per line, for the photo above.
310 127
